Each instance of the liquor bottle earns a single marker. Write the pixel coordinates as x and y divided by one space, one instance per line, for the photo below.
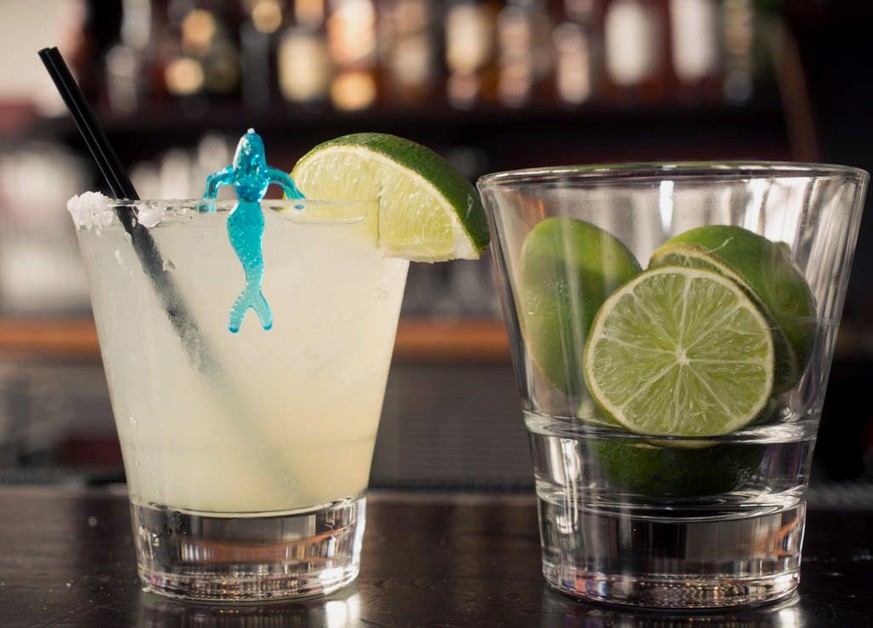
205 60
577 48
695 49
304 65
221 60
470 41
408 51
738 41
258 35
183 74
525 56
635 51
351 40
128 80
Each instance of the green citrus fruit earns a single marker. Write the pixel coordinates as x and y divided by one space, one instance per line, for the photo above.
656 471
427 210
680 352
568 268
763 268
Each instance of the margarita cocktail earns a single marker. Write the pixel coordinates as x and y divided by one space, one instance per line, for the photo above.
247 345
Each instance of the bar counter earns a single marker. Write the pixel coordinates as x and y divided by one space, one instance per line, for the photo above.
429 559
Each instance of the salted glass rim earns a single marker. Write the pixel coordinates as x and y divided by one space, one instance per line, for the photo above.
229 203
643 171
315 211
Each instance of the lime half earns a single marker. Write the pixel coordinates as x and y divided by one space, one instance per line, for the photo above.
427 210
766 271
568 268
677 472
680 352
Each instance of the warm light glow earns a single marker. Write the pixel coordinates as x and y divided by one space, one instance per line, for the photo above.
578 9
351 32
573 63
631 32
515 39
309 12
694 24
184 76
411 63
463 90
198 31
469 38
267 16
353 90
304 67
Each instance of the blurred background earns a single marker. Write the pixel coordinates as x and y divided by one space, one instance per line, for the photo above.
489 84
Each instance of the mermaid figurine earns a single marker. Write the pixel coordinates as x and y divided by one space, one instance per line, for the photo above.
250 176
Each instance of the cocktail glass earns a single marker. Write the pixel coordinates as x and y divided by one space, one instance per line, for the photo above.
647 518
247 454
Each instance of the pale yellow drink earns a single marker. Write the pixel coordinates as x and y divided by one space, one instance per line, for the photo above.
258 421
248 454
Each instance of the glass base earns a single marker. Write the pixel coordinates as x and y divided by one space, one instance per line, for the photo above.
672 561
249 558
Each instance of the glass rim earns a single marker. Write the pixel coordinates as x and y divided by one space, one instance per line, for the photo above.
642 171
229 203
312 211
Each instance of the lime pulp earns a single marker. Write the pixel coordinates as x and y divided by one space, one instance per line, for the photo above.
680 352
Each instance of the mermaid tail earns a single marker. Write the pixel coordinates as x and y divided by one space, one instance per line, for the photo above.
245 228
250 176
251 298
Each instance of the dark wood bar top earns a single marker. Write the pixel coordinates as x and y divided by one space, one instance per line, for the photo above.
66 559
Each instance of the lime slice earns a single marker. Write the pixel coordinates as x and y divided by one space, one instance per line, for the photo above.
568 268
680 352
590 413
427 210
654 471
763 268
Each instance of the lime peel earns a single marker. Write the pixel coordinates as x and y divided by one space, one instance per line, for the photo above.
766 271
568 268
427 210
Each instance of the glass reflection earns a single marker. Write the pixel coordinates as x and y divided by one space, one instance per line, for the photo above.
340 610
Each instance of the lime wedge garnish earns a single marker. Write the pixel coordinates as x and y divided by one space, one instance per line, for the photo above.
427 210
680 352
568 268
766 271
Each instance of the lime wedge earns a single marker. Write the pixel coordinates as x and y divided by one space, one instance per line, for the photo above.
427 210
680 352
568 268
766 271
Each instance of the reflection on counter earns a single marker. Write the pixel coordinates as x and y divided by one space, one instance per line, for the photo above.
340 610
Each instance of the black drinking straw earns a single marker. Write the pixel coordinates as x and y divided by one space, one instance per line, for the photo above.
110 167
107 161
200 356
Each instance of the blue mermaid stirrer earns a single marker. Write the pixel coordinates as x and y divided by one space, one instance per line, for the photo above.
250 176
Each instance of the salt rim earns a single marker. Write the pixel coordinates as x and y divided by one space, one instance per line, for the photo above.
150 215
93 210
90 210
